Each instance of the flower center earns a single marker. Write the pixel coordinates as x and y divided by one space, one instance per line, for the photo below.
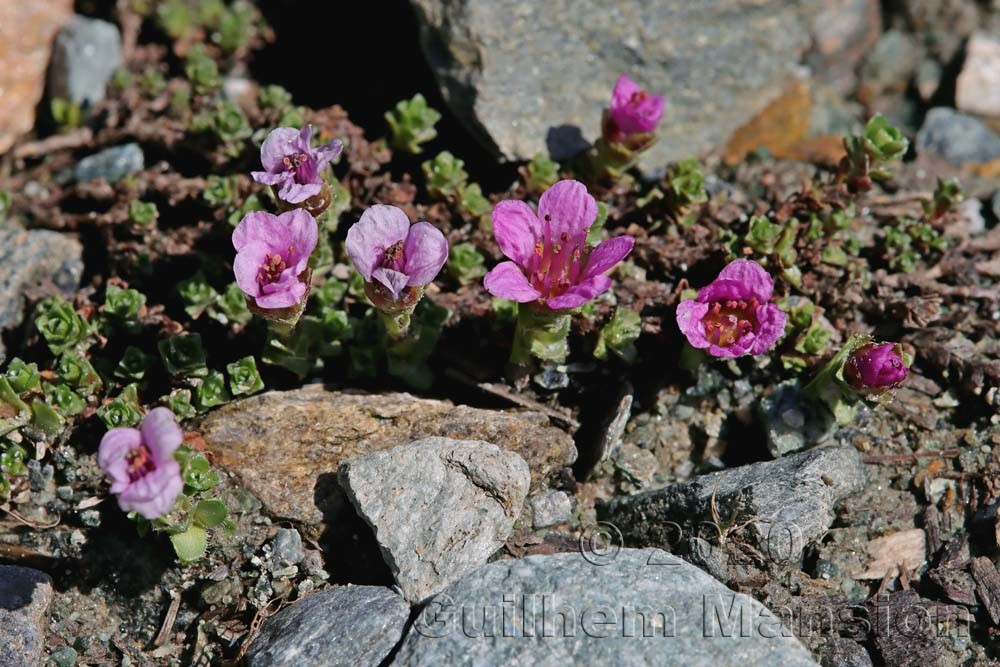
140 463
293 162
637 98
394 257
270 271
728 321
557 264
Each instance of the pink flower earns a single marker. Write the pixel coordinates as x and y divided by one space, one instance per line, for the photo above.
393 255
293 164
633 110
733 315
140 464
875 367
272 251
553 265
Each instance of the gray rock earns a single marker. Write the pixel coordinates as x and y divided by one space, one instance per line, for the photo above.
958 138
978 87
85 55
788 503
346 626
25 596
111 164
551 509
995 204
37 263
645 607
528 77
892 62
287 548
840 652
439 507
792 423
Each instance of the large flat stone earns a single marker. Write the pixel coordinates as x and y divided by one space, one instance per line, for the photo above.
26 33
286 447
25 596
643 608
338 627
439 507
515 71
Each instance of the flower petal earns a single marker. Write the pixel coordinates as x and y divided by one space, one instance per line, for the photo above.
566 208
115 445
719 290
380 227
303 234
581 293
296 193
327 153
283 294
279 143
268 178
392 280
161 434
607 254
771 327
689 316
753 276
623 91
508 282
516 229
260 226
247 265
426 252
153 495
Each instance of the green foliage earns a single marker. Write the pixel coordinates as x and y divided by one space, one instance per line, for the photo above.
230 307
179 402
191 544
407 357
66 401
202 71
869 154
45 420
445 176
236 26
14 413
122 306
472 203
596 231
330 293
685 187
142 213
411 124
76 371
133 366
810 338
123 411
60 325
222 191
227 123
251 203
762 235
211 391
278 102
540 174
65 114
12 459
465 264
210 513
197 294
196 471
23 377
4 204
175 18
619 335
244 379
183 355
909 242
152 84
947 194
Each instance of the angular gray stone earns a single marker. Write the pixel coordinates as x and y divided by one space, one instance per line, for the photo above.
287 548
788 502
978 87
25 596
791 422
645 607
958 138
338 627
85 55
527 76
439 507
37 263
550 509
111 164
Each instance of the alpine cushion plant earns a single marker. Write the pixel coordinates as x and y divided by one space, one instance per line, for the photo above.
733 316
396 260
292 166
552 267
140 464
272 260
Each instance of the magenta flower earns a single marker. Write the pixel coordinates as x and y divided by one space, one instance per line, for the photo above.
875 367
733 315
633 110
140 464
392 255
272 252
553 265
293 164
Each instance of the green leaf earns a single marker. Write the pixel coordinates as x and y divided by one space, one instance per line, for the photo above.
183 356
179 402
191 544
210 513
66 401
596 230
619 335
14 413
197 294
133 365
411 124
60 325
445 176
230 307
45 419
124 305
465 264
540 174
23 377
123 411
78 373
142 213
244 379
202 71
762 234
211 391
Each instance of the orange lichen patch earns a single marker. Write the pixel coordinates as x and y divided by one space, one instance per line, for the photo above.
778 127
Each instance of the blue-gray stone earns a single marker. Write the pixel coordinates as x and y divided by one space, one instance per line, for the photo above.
345 626
958 138
25 596
85 55
111 164
643 607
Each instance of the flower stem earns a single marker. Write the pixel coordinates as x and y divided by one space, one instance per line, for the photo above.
541 334
397 323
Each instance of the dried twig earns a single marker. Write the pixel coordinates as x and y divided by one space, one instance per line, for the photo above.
168 620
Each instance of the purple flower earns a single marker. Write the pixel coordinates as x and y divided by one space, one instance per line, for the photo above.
290 162
633 110
875 367
393 255
272 251
733 315
140 464
553 265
